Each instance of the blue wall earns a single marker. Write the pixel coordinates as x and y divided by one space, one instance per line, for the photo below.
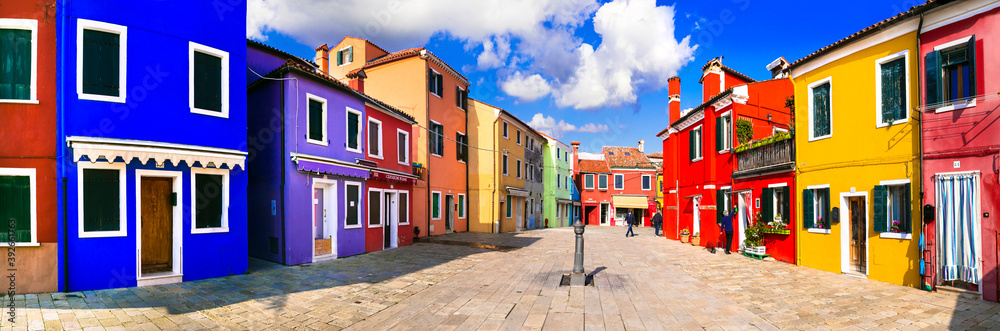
156 109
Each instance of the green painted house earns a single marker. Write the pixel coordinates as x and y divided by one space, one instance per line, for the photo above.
557 204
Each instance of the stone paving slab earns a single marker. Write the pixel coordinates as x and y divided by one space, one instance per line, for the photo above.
642 282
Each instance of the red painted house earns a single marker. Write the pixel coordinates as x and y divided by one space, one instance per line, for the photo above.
389 203
592 174
27 130
632 184
959 117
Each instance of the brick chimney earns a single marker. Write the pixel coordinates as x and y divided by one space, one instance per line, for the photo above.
358 81
323 58
576 159
674 91
712 78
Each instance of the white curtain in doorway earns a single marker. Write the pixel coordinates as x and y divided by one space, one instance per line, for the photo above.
958 226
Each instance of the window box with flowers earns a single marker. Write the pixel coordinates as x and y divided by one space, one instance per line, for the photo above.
685 235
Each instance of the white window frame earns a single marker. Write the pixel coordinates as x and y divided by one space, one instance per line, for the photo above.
325 140
361 201
196 47
381 151
31 25
616 181
33 195
506 131
225 200
518 134
510 208
406 146
518 163
593 182
381 208
463 206
905 55
816 210
888 212
122 196
647 179
727 132
700 141
407 202
605 176
440 205
434 91
809 91
433 136
466 144
122 31
954 44
558 180
346 61
361 131
775 208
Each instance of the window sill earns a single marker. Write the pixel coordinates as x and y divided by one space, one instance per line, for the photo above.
317 142
374 226
893 235
812 139
698 159
210 230
356 151
435 94
964 105
376 157
206 112
103 234
27 102
724 151
822 231
352 227
27 245
98 97
882 125
432 154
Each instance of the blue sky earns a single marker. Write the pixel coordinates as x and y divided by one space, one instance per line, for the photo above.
595 71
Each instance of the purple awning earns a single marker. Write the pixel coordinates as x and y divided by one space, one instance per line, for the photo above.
331 169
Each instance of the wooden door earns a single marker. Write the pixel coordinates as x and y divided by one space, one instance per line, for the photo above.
157 224
859 235
387 220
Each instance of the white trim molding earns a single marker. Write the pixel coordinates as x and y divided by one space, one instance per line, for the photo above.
905 55
224 191
886 34
381 208
222 55
894 182
112 148
32 198
406 147
122 31
361 130
324 141
361 202
30 25
440 205
381 153
177 228
809 110
777 185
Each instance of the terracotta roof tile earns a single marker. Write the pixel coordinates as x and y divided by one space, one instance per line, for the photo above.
655 155
626 157
258 44
387 58
594 166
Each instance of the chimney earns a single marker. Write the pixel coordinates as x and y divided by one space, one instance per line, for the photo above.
712 78
642 145
323 58
674 91
357 82
576 158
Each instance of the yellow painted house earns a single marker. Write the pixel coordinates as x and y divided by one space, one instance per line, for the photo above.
857 149
497 172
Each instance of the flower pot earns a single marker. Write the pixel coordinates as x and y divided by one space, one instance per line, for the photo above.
684 238
696 241
760 250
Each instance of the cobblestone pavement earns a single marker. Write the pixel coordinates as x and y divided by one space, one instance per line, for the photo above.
643 282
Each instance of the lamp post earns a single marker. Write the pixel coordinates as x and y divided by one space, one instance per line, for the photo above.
578 278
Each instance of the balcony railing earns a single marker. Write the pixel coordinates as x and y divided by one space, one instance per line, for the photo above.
777 156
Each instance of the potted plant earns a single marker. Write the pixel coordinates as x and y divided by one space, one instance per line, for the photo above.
685 235
895 226
754 243
696 239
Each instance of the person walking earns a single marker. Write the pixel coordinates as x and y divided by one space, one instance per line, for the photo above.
629 219
657 222
726 226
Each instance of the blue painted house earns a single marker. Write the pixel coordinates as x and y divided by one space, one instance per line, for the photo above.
307 162
152 128
577 206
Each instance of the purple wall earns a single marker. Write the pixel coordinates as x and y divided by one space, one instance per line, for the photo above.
267 158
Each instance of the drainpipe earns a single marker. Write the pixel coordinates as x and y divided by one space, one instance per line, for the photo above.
427 149
493 197
284 240
60 148
920 158
467 160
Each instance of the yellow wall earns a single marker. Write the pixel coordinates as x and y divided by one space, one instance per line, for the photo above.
857 157
481 167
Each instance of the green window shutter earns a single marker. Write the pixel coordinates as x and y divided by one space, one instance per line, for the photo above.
316 120
100 63
906 210
15 64
440 84
207 82
972 66
430 80
461 205
208 201
465 99
353 126
808 220
881 219
821 110
719 208
767 204
465 148
826 208
436 203
932 77
350 55
101 194
340 57
786 208
353 204
691 137
458 146
15 204
509 203
458 97
718 134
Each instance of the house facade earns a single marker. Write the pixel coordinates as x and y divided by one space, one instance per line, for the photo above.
631 183
593 174
558 200
28 154
960 144
534 176
857 154
436 95
483 176
153 143
514 209
390 187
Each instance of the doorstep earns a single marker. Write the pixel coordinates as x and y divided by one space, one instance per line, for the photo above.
160 278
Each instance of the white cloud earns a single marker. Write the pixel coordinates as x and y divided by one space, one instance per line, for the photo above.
495 52
556 129
526 88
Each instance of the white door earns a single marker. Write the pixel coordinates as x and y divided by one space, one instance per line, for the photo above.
742 217
519 211
696 226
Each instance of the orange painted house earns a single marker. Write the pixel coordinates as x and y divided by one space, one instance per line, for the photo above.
436 95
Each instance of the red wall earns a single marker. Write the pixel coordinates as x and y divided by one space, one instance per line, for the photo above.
780 246
595 197
633 186
968 136
390 125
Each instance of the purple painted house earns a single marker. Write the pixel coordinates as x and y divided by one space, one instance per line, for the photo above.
306 160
